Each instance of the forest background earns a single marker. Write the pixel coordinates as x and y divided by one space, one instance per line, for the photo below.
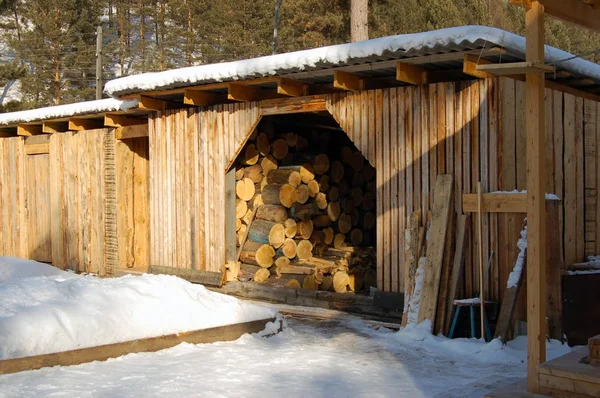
48 47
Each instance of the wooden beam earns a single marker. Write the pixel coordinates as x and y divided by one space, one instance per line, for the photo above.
151 344
113 120
133 131
582 13
496 202
28 130
55 127
152 104
37 144
516 68
279 106
8 132
536 189
292 88
348 81
239 92
77 124
411 74
470 63
203 98
209 278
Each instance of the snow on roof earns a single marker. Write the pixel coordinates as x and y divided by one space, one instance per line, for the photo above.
401 46
67 110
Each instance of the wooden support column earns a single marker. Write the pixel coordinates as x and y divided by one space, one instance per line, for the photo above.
536 191
230 235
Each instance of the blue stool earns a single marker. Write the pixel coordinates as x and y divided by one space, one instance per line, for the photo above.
472 304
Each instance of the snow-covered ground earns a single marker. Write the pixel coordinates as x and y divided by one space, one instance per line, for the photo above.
310 358
342 357
59 311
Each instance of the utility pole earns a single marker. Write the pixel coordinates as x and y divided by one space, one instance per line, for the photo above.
277 4
99 85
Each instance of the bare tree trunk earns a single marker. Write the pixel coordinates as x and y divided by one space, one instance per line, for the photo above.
359 20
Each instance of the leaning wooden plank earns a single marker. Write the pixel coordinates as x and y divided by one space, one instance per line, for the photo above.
513 286
457 266
412 260
440 318
442 206
209 278
151 344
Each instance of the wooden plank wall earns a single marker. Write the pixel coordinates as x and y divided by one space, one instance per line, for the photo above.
133 206
13 198
77 201
474 130
190 150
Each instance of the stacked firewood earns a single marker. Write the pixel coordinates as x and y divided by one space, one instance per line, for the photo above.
305 211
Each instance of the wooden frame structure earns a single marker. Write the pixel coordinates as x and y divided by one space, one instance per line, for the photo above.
586 14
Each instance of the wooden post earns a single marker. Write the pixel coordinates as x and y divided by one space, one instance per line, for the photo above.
481 276
536 189
230 234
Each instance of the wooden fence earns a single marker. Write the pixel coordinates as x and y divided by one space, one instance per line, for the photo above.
59 204
190 150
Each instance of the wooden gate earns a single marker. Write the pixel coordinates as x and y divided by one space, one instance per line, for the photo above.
37 166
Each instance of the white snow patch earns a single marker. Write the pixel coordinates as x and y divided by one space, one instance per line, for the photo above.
406 45
18 268
59 312
584 272
515 274
594 258
68 110
415 298
549 196
473 301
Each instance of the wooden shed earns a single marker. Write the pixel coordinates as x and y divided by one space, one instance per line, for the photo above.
142 179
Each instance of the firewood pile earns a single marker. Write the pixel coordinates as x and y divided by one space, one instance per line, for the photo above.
305 211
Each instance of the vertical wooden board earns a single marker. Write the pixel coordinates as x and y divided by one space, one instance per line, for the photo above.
433 123
220 265
417 133
521 136
554 270
38 201
467 187
549 125
484 175
211 187
374 99
449 131
396 236
376 133
570 178
457 98
597 174
558 145
493 132
383 108
56 200
125 201
475 174
106 264
83 202
579 172
22 197
507 181
424 152
360 119
206 188
409 149
590 177
13 215
442 129
401 181
151 188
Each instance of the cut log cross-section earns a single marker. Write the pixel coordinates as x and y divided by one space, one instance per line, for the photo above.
275 194
245 189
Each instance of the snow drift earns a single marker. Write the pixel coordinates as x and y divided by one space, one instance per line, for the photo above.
59 311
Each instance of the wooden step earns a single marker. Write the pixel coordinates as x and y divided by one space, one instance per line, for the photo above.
570 375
